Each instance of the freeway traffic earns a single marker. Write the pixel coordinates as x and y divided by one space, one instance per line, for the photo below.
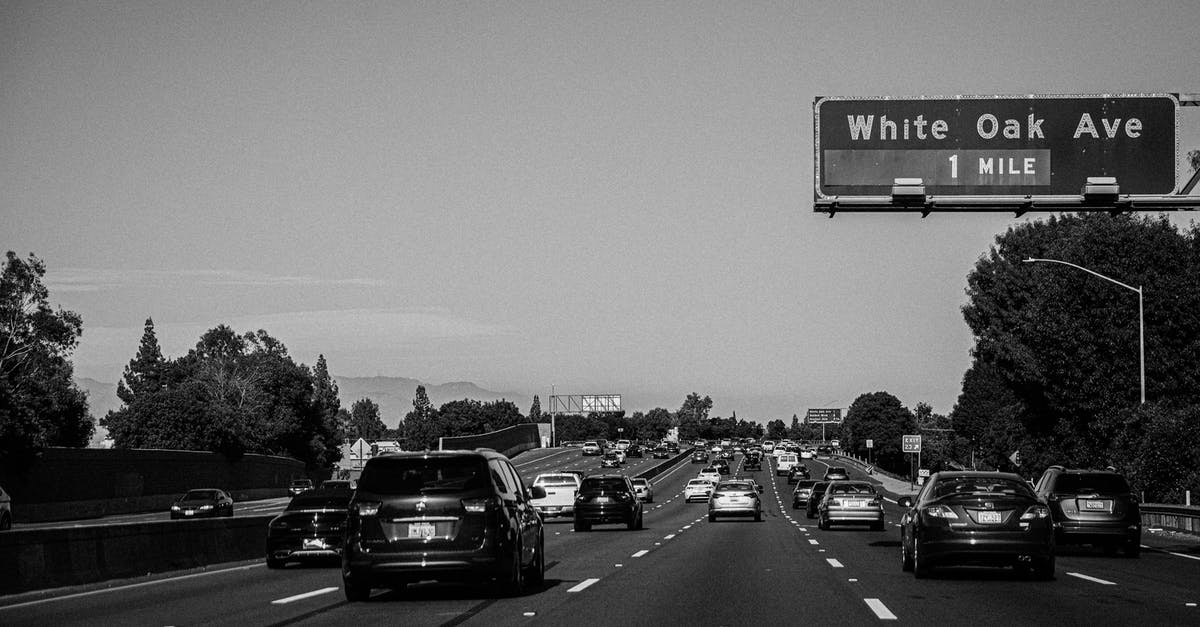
679 569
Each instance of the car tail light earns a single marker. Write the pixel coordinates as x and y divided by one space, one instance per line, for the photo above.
1037 511
876 502
367 508
941 511
477 506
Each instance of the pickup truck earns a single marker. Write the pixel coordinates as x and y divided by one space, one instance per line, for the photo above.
561 489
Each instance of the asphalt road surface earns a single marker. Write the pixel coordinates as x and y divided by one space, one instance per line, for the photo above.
679 570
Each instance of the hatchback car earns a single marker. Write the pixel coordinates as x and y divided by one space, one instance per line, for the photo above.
710 473
798 472
610 460
311 528
699 456
976 518
591 448
445 516
850 503
644 489
801 493
203 503
605 499
299 486
752 463
722 465
836 473
1092 507
661 453
735 498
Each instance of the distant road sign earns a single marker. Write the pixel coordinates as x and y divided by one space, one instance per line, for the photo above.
992 146
817 416
910 444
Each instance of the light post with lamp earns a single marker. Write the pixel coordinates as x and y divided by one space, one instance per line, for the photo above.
1141 317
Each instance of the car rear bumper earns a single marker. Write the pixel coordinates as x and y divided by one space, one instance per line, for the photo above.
985 548
1074 532
853 516
554 511
603 514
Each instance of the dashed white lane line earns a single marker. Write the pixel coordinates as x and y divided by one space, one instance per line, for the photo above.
640 553
834 563
668 536
306 595
579 587
880 609
1092 579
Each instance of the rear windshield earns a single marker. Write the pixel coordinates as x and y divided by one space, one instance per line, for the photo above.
837 470
1100 483
603 485
851 488
200 495
732 487
421 475
328 500
981 486
564 480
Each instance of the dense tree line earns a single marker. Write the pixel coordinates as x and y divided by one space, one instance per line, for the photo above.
39 403
231 394
423 426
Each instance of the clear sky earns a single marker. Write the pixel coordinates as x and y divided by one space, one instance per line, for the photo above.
602 197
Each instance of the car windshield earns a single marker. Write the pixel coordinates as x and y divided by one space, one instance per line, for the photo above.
980 486
837 470
1091 484
851 488
326 500
418 475
200 495
606 484
699 483
740 486
805 485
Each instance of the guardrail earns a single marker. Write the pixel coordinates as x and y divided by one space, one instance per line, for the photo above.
1181 518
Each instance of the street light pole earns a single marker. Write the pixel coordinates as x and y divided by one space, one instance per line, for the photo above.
1141 315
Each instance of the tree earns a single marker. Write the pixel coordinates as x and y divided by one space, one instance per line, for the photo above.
365 421
655 424
880 417
422 425
535 411
776 430
692 416
144 373
39 403
1063 344
327 405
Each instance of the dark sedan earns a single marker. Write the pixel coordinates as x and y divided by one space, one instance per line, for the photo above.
814 498
205 503
661 453
610 460
311 528
976 518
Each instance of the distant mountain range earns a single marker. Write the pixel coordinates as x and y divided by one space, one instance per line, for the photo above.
394 395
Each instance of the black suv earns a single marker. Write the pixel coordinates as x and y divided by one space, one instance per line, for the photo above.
607 499
442 515
1092 507
800 471
752 462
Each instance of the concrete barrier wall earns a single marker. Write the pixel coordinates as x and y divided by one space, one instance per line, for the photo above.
508 441
51 558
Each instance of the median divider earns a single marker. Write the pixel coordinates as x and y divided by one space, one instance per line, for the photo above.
663 467
35 559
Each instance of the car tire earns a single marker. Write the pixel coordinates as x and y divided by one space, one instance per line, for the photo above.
274 563
356 591
822 524
809 515
1043 569
921 568
536 575
5 523
1133 549
582 526
757 516
906 562
877 526
795 506
712 517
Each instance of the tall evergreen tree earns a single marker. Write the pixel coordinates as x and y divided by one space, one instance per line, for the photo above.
144 373
535 410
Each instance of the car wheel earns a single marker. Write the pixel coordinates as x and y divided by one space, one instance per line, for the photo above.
809 515
1133 548
514 584
822 524
906 562
877 526
921 568
356 591
1043 569
5 523
536 575
757 516
582 526
712 517
274 563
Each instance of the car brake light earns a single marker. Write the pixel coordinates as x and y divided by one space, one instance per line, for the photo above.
367 508
476 506
941 511
1037 511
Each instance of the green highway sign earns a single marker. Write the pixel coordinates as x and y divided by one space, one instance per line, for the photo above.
1002 146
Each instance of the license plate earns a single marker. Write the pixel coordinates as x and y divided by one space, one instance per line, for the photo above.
854 503
989 517
420 530
314 544
1096 505
188 512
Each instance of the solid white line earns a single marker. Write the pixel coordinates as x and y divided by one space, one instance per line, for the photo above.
1100 581
129 587
640 553
834 563
306 595
1191 557
583 584
880 609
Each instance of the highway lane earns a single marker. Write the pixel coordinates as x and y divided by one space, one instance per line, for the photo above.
680 569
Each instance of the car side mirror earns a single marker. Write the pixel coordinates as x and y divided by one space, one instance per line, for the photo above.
905 501
537 492
760 489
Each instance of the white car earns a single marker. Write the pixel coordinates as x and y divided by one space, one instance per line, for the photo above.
709 473
561 489
622 445
591 448
644 489
784 463
806 454
697 490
